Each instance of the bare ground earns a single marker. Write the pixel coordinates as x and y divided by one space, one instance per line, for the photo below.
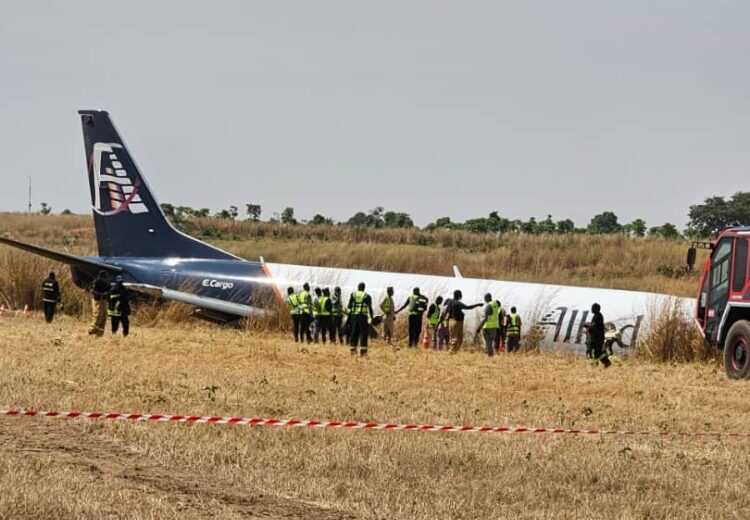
108 465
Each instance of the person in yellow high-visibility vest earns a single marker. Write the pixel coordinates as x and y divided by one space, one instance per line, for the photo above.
325 320
490 324
305 309
433 320
513 330
292 302
360 313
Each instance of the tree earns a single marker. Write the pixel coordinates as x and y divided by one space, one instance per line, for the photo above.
547 225
391 219
202 213
604 223
45 209
167 209
183 212
531 227
716 213
320 220
66 211
668 231
359 219
565 226
637 228
441 223
253 211
223 214
287 216
234 211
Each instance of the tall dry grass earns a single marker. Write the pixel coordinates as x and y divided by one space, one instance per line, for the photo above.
674 337
600 261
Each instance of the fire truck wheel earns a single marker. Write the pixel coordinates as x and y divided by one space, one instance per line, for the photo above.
737 351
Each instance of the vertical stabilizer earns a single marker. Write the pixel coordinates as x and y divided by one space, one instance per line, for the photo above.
129 221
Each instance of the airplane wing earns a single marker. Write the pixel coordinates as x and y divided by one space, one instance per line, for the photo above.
76 261
201 302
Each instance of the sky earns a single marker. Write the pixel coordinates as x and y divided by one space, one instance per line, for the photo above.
430 107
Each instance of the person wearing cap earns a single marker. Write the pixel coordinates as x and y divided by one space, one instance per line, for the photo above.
50 297
99 289
119 306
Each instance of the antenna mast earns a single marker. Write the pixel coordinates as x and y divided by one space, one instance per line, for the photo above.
29 194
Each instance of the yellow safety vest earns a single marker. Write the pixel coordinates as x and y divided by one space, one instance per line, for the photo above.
493 320
434 318
514 325
322 306
304 302
293 302
359 306
387 305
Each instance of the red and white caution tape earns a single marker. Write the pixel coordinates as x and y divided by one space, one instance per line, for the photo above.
350 425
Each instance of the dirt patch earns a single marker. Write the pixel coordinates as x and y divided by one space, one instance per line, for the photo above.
89 457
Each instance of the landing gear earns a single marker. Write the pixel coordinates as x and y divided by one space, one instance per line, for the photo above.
737 351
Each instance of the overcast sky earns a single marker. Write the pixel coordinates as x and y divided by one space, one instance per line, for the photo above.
433 108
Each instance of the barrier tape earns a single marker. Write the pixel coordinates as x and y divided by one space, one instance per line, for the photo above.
351 425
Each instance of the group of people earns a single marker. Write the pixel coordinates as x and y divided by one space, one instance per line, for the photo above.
109 299
320 314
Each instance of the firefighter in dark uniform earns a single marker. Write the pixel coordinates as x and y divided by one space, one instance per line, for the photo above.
50 297
119 306
360 313
595 336
292 301
99 289
417 305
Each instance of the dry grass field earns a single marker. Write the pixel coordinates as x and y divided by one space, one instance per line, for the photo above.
52 468
74 469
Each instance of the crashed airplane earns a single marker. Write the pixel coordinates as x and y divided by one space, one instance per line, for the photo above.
135 240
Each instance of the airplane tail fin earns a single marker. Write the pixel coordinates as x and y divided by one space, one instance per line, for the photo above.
129 221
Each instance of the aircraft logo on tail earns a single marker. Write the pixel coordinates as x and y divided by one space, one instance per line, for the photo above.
112 183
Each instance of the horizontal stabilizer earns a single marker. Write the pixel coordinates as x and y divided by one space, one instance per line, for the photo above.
76 261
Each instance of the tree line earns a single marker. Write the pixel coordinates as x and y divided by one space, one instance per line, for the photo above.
706 219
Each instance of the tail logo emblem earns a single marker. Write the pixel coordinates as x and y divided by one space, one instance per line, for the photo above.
112 183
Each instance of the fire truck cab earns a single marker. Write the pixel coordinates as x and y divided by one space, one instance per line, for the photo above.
722 309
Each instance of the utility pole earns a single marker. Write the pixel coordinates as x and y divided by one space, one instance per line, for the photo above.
29 194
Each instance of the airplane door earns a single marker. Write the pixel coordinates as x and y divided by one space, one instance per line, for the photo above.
718 292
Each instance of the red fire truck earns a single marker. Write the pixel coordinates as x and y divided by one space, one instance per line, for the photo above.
722 309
